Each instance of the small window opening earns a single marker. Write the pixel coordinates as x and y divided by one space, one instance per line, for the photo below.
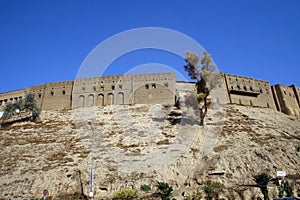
245 88
146 87
113 87
52 93
120 86
102 88
40 95
153 86
166 85
63 92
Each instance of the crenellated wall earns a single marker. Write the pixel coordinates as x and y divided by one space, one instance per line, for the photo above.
156 89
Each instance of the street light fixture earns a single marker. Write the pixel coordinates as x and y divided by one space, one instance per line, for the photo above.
92 165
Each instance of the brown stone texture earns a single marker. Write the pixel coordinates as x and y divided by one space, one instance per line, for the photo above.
157 88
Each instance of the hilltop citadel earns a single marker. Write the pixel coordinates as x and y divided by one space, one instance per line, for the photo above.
154 89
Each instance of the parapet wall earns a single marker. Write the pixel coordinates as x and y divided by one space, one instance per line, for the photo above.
156 89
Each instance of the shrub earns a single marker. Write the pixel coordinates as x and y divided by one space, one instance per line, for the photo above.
262 181
165 190
210 188
288 189
125 194
145 188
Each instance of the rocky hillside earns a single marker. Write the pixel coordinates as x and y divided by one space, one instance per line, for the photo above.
143 144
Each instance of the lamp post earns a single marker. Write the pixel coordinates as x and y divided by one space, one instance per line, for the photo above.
92 165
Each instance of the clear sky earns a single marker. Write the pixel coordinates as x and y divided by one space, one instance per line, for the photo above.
45 41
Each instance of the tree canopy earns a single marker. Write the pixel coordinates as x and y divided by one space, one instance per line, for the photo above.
205 76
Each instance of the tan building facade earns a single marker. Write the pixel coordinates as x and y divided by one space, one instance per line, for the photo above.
249 91
156 89
287 99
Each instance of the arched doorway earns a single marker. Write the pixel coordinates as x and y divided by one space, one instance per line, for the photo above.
91 100
121 98
110 99
101 99
81 101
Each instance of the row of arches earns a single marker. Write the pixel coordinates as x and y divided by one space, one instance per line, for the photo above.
101 99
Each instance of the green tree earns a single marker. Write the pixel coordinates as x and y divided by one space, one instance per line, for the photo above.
13 108
165 190
30 105
262 181
206 79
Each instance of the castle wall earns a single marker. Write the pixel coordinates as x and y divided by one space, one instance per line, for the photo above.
124 89
101 91
219 93
57 95
249 92
287 100
154 88
38 92
297 93
11 97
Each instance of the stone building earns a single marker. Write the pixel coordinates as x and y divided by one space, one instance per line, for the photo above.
249 91
124 89
11 97
287 99
156 89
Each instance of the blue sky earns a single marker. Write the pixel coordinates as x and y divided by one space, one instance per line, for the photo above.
46 41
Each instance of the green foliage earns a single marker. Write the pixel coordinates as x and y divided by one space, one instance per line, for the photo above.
165 190
210 189
262 181
28 104
280 190
206 78
145 188
126 194
288 189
